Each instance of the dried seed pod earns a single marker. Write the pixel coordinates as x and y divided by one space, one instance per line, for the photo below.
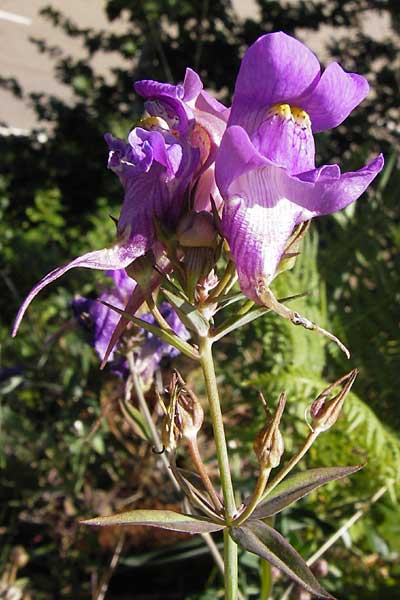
268 444
325 412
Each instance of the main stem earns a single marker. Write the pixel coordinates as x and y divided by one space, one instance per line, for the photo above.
230 547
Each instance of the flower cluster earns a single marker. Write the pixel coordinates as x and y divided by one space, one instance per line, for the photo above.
250 167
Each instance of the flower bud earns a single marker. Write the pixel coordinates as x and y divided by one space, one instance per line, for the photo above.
326 412
268 444
197 230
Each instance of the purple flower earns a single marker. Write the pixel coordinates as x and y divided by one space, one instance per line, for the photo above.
103 320
265 166
196 116
155 169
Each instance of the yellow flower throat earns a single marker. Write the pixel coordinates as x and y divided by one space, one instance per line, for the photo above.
286 111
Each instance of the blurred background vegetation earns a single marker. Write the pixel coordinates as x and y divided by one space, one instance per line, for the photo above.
64 452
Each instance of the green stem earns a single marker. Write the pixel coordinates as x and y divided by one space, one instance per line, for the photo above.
224 281
312 436
266 579
231 567
256 497
138 386
230 548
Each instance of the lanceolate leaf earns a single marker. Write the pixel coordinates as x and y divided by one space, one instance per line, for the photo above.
165 519
259 538
236 321
188 314
168 336
297 486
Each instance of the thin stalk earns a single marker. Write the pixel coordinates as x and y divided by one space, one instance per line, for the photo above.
158 444
202 471
230 547
231 567
338 534
256 497
312 436
157 314
266 579
246 307
223 282
346 526
103 587
137 384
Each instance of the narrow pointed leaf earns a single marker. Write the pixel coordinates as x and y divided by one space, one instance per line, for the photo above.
164 519
188 314
195 497
236 321
136 420
229 299
259 538
168 336
299 485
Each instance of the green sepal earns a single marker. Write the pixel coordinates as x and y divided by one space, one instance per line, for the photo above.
187 313
259 538
299 485
164 519
168 336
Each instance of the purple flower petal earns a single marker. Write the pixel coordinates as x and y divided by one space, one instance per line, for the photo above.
115 257
155 169
334 97
285 138
325 190
263 203
236 156
170 101
276 69
124 284
192 85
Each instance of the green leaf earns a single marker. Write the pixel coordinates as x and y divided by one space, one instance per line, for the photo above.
168 336
199 500
165 519
229 299
297 486
187 313
236 321
136 420
261 539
